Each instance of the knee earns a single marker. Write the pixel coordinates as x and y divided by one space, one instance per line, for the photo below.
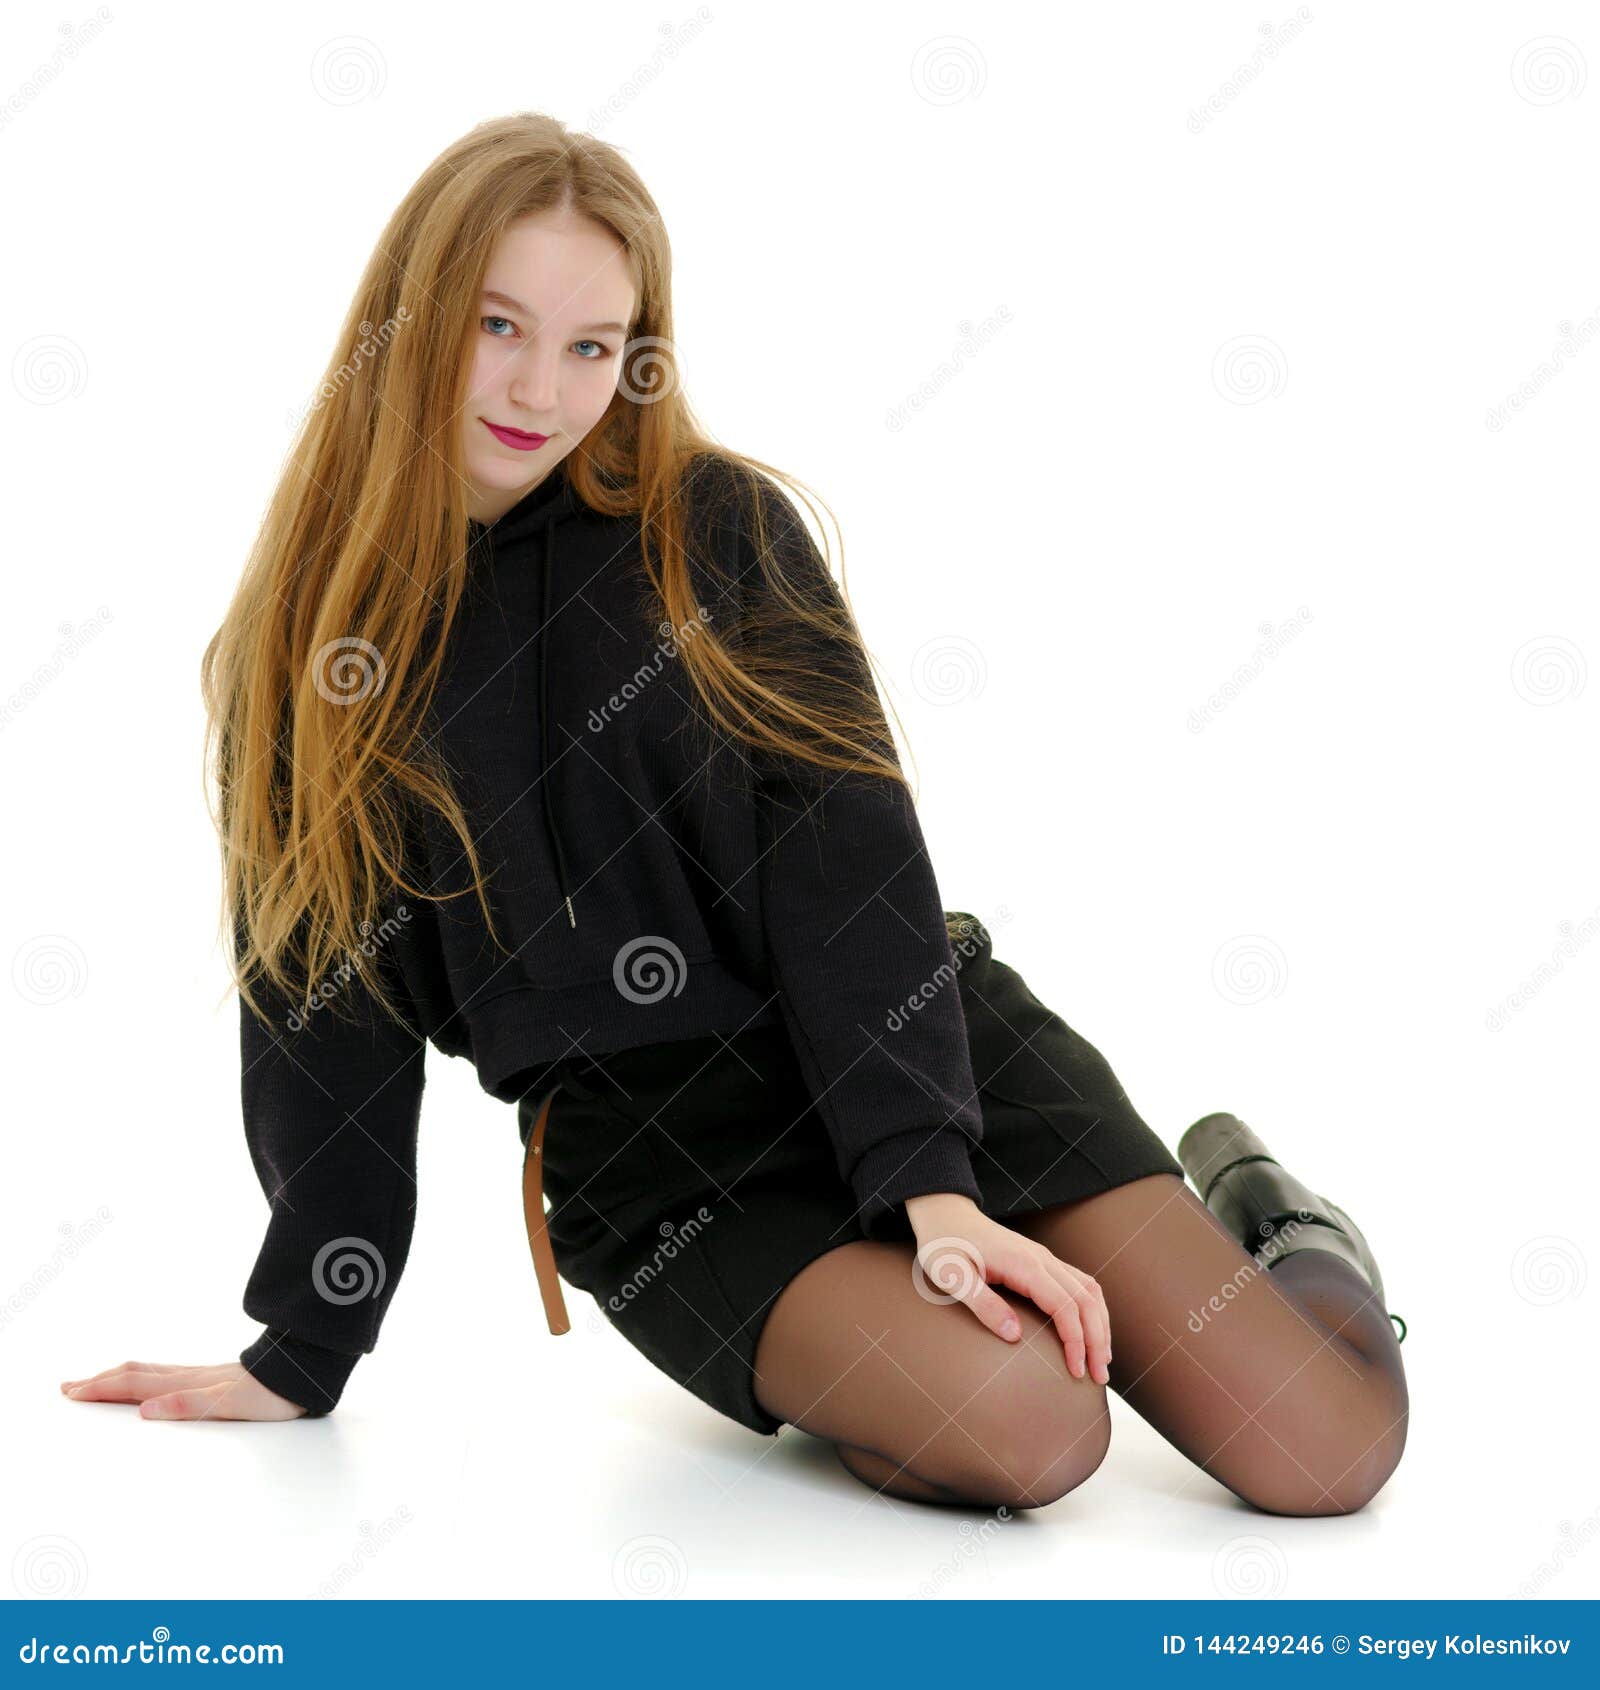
1363 1470
1027 1451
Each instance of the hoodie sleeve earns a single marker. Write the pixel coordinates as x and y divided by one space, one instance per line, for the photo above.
855 932
331 1112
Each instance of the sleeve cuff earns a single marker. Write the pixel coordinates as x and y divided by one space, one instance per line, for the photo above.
911 1164
303 1373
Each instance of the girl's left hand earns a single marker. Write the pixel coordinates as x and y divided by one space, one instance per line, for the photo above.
962 1252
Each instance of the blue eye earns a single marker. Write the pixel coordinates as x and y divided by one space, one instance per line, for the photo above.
601 350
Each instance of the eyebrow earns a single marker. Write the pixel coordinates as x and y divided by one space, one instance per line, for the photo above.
499 298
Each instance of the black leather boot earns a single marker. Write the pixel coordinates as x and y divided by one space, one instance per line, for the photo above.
1269 1211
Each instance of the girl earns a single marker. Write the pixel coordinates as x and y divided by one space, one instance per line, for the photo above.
544 736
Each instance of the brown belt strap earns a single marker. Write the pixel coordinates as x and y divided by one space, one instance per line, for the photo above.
544 1261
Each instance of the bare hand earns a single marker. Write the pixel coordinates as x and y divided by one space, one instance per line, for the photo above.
227 1392
962 1251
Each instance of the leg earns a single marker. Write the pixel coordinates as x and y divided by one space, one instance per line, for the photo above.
1285 1385
924 1401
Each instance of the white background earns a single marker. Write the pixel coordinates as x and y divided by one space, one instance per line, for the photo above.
1246 374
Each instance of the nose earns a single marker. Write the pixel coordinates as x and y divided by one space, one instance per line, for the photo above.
533 384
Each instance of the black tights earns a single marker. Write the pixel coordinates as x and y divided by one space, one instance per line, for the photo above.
1286 1386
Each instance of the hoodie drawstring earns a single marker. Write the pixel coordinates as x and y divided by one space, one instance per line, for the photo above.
544 724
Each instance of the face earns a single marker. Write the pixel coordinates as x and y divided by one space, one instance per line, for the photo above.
547 354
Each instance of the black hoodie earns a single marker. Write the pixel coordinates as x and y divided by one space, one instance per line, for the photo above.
650 879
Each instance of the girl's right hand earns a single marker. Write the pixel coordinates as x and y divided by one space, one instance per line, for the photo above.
965 1253
166 1392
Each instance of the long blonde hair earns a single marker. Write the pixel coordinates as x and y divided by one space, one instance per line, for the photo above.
361 562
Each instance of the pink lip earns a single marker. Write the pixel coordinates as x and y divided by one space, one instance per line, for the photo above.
516 437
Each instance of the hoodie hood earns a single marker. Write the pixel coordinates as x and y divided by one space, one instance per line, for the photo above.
531 525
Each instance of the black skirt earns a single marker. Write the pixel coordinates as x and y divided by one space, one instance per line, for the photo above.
689 1182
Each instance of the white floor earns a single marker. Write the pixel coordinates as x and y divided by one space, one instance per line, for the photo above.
568 1467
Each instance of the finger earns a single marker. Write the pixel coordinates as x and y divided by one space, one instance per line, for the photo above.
197 1402
124 1367
954 1268
1093 1314
995 1313
1028 1274
135 1384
